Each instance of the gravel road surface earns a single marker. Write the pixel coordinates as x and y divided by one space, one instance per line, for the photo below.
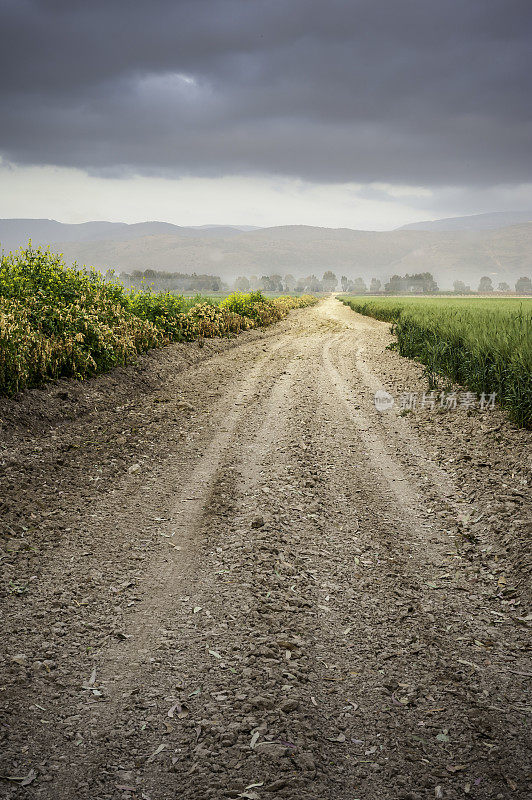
226 574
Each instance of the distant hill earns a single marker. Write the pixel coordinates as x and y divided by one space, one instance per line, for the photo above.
235 227
504 254
17 232
476 222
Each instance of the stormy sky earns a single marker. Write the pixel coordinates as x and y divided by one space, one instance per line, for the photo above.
366 113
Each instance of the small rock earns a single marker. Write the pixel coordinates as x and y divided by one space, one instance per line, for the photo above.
20 658
184 405
276 785
289 705
272 749
134 468
261 702
306 761
257 521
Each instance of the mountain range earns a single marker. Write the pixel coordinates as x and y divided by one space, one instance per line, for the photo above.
16 232
475 222
465 248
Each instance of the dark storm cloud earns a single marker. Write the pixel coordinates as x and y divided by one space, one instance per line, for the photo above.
415 91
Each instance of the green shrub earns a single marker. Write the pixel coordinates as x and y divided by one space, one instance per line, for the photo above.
60 321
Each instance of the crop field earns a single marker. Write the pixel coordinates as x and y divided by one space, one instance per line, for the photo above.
58 321
484 344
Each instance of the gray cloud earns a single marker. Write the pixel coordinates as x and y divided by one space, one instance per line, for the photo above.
401 91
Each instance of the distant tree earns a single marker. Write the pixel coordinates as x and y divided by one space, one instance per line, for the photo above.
485 285
375 286
277 283
309 284
254 282
396 285
344 281
242 284
420 283
523 286
504 287
289 282
460 287
358 286
423 282
271 283
330 281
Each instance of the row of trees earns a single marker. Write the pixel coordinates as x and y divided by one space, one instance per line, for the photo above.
485 286
419 283
310 283
172 281
424 283
287 283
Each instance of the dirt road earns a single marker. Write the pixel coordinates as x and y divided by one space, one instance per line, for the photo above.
226 574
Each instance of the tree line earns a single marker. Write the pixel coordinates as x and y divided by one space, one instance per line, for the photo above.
171 281
485 286
418 283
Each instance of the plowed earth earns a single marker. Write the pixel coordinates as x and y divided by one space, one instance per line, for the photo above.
226 574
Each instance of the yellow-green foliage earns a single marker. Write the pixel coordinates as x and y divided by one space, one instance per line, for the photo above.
58 321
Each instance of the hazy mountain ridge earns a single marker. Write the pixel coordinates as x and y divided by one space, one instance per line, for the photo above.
474 222
504 254
16 232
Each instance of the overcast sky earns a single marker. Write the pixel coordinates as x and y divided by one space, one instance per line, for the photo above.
359 113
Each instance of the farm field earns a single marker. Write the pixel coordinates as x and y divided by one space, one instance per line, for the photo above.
484 344
225 572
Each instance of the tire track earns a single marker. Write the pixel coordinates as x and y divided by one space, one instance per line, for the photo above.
312 638
122 665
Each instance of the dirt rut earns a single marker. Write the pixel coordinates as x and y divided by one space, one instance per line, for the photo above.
279 592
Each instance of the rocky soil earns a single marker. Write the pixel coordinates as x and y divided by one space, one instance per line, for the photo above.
225 574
